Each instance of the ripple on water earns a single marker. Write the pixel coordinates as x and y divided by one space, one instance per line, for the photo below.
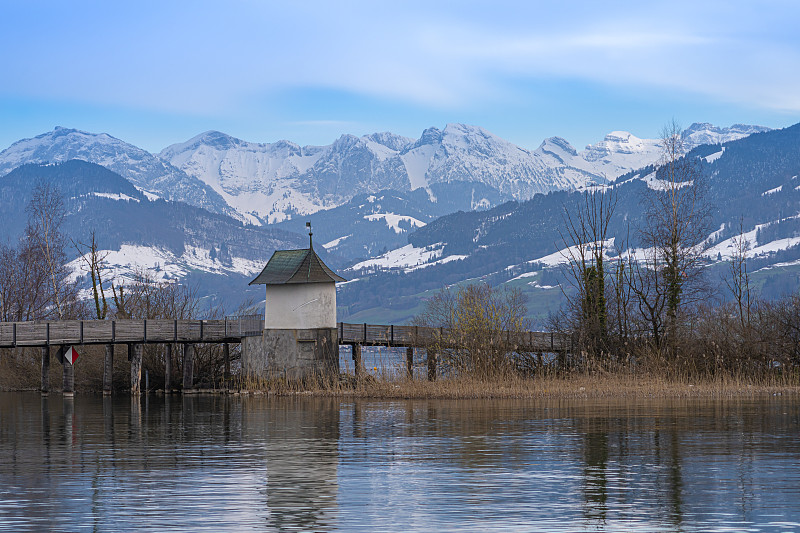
304 464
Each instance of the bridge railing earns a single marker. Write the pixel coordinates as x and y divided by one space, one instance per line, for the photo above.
63 332
57 332
421 336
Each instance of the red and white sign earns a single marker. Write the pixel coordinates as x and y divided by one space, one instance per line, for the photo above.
71 355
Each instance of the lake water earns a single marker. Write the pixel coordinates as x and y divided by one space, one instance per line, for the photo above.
229 463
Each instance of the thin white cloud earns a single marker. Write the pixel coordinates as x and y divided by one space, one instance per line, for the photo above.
210 58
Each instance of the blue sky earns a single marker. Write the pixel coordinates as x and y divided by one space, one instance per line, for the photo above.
156 73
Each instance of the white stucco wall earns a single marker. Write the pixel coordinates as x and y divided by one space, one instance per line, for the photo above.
300 306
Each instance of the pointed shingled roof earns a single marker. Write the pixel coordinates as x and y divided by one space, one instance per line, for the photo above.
295 266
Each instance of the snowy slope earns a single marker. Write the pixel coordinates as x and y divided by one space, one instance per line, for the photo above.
141 168
620 152
266 183
273 182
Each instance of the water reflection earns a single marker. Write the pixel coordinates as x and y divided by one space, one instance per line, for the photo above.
301 457
211 463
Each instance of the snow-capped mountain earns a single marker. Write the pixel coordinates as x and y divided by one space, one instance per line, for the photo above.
620 152
147 172
704 133
273 182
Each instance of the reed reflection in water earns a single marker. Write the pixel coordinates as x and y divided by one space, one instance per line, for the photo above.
213 463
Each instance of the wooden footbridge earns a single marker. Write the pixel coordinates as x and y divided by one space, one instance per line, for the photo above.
184 334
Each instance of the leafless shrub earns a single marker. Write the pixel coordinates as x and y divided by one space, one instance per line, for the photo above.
478 325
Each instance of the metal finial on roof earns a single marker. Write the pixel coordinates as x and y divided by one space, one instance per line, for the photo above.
310 244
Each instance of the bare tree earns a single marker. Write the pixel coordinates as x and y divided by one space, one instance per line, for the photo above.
669 276
147 297
619 302
738 279
585 244
34 277
45 215
479 323
95 263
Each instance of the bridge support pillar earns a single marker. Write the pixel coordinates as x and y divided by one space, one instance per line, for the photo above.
410 361
108 369
226 356
188 366
357 362
291 354
168 368
135 354
68 382
432 357
45 370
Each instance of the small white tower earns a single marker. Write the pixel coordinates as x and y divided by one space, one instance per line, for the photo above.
300 335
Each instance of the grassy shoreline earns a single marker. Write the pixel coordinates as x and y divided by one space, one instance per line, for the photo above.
599 384
571 386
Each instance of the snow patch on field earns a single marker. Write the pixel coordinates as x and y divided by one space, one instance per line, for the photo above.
713 157
408 259
772 191
113 196
335 242
727 248
564 256
664 185
121 266
393 221
407 256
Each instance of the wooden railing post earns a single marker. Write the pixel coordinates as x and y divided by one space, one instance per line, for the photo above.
410 361
168 368
226 359
188 366
432 356
45 370
108 369
135 353
357 360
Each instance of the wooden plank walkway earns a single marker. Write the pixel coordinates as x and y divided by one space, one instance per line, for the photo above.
232 330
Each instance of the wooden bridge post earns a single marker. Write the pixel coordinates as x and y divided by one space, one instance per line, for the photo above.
68 374
432 356
188 366
108 369
168 368
45 370
135 353
357 360
226 357
410 361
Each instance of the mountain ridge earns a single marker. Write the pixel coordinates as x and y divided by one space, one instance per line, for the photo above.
271 182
